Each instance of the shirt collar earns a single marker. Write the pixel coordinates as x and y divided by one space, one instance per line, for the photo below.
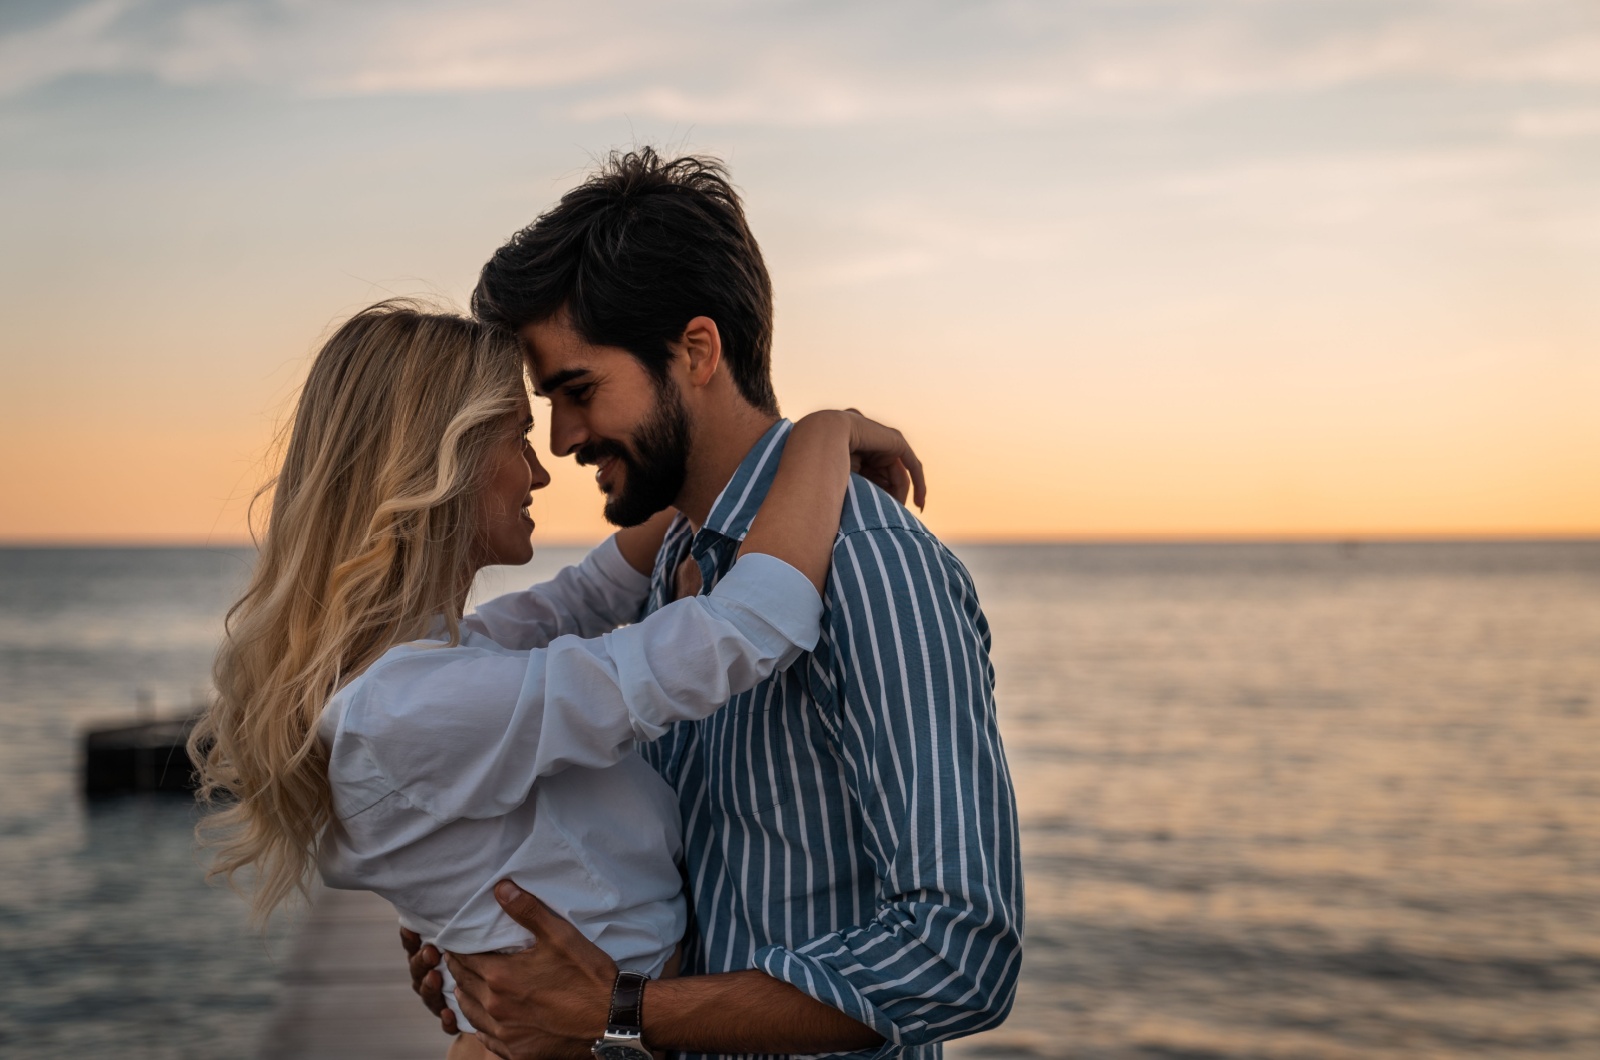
736 506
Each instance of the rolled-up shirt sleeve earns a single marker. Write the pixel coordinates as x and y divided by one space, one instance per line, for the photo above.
589 598
464 731
909 702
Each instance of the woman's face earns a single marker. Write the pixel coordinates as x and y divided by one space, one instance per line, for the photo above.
514 472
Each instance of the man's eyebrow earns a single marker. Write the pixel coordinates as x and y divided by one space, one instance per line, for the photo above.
549 383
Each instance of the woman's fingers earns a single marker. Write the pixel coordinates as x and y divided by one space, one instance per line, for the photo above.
919 481
886 449
888 475
899 482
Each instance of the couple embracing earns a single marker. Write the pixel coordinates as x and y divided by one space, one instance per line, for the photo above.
730 785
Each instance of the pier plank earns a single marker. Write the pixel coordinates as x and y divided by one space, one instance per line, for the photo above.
345 991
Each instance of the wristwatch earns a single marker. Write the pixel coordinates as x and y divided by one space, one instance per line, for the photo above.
624 1037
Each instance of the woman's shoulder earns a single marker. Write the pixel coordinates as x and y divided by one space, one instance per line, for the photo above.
420 674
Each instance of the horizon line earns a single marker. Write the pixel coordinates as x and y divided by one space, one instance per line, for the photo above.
1124 538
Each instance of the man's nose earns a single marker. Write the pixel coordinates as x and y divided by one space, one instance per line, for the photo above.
567 432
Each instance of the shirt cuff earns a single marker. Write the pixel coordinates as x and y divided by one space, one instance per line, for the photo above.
610 564
817 979
777 592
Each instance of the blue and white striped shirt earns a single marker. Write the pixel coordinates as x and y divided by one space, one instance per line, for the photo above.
849 823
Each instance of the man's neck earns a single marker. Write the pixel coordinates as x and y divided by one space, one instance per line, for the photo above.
719 446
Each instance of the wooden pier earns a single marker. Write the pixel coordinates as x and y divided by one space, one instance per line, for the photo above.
346 994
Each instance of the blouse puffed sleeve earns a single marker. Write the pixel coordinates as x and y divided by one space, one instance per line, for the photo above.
464 731
598 594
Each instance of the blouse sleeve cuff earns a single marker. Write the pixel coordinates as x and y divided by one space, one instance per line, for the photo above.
608 562
777 592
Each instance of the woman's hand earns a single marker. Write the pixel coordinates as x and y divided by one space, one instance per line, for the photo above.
879 454
799 519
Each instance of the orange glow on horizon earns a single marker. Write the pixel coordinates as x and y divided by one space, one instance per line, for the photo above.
1202 272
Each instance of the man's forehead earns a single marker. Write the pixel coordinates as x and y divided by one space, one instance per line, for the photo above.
558 355
553 347
548 336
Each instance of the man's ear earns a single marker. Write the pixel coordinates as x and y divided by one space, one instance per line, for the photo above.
701 346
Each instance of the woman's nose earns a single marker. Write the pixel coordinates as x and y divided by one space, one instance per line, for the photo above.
541 477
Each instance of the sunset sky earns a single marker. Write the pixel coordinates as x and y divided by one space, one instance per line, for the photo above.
1215 267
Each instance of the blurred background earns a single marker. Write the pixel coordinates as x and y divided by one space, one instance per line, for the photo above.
1254 349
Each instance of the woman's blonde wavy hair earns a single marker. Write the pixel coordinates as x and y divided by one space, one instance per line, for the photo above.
370 538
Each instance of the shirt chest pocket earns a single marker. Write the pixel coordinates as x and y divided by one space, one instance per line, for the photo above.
749 753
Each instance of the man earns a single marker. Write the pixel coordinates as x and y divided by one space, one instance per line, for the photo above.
849 825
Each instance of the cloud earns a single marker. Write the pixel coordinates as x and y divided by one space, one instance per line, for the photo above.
1569 124
793 63
80 42
321 49
1415 188
911 236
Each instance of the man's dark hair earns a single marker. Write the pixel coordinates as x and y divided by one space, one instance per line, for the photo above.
634 253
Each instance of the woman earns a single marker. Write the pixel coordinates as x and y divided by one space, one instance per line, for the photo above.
364 727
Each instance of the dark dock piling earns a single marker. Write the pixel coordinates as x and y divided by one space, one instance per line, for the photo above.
141 756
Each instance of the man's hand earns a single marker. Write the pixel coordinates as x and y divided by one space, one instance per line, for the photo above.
426 980
550 1000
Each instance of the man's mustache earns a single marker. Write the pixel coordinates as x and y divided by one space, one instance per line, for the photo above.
594 452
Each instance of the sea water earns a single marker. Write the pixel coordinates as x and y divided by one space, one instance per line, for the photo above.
1289 801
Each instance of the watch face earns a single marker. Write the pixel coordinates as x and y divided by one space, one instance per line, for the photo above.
604 1050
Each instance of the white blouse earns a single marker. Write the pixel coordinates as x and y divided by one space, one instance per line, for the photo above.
511 754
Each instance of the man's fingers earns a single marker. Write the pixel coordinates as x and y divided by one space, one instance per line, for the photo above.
528 911
474 1012
423 959
426 982
431 990
464 967
422 962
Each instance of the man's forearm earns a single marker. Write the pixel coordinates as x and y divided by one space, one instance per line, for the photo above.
746 1012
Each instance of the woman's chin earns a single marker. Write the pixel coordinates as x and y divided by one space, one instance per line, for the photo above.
512 554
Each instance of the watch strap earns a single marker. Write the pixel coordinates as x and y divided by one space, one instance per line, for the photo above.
627 1004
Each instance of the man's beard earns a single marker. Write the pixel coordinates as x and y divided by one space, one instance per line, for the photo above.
656 461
